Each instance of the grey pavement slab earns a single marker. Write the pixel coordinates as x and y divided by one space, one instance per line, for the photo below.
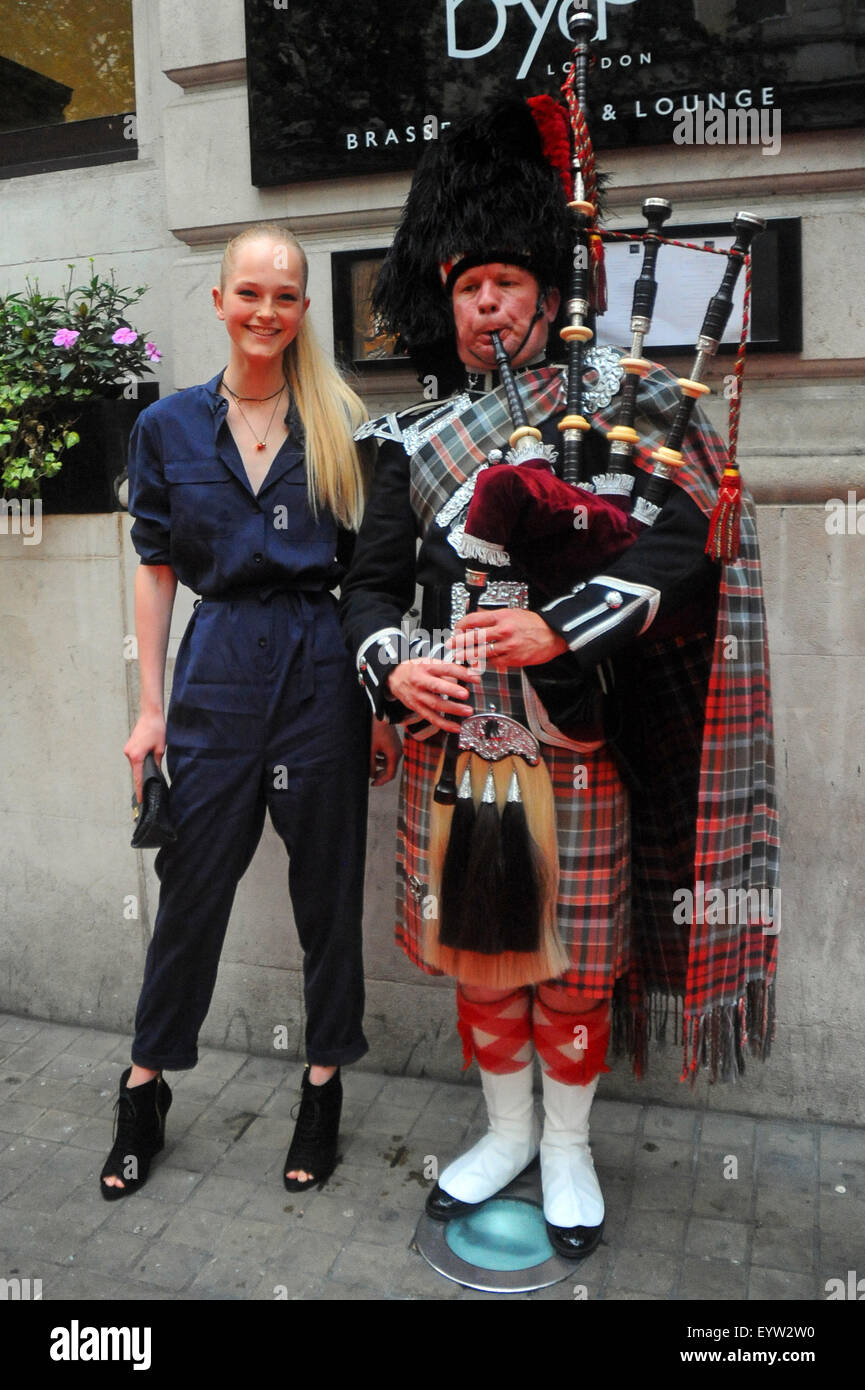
701 1205
774 1285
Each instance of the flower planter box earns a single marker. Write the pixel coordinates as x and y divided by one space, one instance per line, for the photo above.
86 481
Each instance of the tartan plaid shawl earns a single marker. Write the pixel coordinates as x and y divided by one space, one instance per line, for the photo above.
704 832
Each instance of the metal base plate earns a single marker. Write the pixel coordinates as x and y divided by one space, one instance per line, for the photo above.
502 1229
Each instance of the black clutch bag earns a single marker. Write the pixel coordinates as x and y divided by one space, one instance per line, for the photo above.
153 827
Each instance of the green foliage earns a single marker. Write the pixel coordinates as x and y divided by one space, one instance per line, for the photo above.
43 380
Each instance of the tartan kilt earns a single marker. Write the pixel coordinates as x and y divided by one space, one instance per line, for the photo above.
593 832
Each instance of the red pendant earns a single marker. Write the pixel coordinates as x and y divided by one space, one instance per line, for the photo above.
260 446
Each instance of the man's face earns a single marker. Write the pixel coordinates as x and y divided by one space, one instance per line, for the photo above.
503 299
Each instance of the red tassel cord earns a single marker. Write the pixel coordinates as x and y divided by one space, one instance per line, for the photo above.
598 273
725 527
585 154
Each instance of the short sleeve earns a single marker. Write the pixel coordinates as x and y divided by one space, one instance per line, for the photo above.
148 493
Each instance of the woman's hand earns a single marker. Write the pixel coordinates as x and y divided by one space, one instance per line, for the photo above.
435 689
385 753
148 736
504 637
155 587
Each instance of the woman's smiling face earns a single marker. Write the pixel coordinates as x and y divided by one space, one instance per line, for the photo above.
263 300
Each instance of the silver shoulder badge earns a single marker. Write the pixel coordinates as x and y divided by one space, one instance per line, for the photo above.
398 427
383 427
416 435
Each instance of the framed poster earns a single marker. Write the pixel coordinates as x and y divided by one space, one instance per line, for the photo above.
358 342
687 281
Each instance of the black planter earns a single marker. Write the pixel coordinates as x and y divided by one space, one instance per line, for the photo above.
85 483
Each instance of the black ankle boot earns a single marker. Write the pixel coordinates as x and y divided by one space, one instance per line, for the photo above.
139 1133
313 1148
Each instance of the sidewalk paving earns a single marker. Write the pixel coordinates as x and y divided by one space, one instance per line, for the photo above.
701 1206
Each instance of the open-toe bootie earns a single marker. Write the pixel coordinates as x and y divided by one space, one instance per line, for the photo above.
139 1133
313 1148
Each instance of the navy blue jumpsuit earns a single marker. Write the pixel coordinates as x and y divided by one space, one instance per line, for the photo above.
265 713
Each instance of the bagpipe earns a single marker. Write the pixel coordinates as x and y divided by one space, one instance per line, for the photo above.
511 511
493 852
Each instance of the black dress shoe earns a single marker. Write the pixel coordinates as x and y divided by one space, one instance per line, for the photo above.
575 1242
441 1206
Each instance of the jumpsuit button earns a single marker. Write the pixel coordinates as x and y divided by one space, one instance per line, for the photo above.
262 641
257 557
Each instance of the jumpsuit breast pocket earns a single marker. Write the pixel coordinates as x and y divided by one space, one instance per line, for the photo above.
203 497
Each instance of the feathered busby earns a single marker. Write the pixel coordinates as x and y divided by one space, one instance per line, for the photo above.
484 192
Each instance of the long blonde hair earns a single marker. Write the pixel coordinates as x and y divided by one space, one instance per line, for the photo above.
329 410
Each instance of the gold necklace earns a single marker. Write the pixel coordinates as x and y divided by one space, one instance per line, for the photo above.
259 443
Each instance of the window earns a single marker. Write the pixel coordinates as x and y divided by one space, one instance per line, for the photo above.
67 87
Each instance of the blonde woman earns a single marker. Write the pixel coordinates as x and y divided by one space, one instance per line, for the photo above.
248 490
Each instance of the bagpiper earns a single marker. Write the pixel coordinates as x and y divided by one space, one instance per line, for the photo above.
583 759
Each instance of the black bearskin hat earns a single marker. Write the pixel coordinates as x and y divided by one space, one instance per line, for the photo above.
484 192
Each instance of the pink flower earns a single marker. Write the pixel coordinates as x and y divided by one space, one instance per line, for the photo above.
125 337
152 351
65 337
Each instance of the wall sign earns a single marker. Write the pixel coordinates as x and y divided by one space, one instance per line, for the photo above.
338 91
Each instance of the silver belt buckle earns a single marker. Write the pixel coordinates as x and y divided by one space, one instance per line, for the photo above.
499 593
